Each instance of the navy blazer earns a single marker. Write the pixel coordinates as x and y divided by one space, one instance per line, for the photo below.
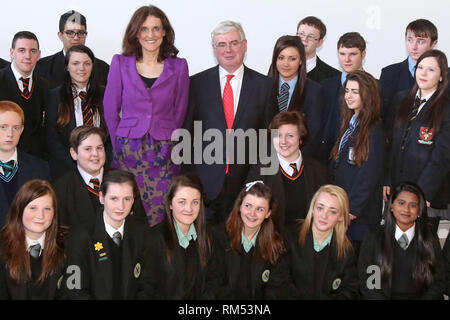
4 63
29 168
363 184
425 159
255 111
58 138
446 254
322 71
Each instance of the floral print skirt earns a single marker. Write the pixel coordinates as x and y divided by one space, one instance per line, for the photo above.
149 160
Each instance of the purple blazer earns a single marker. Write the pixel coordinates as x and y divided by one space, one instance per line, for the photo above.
158 111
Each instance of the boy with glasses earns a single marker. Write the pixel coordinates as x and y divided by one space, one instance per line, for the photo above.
311 31
72 31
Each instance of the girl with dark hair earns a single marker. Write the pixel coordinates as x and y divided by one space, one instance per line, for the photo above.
180 246
320 263
78 101
420 141
145 100
110 252
32 245
294 92
251 243
405 251
358 154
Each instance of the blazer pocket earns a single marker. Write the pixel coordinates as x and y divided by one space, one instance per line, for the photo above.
128 122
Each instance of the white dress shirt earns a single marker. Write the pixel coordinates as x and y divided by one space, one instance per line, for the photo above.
87 177
409 233
235 82
285 165
17 75
79 111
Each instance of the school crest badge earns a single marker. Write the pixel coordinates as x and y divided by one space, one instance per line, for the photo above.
426 135
336 283
265 275
137 270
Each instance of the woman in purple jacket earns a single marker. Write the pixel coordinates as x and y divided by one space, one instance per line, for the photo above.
145 101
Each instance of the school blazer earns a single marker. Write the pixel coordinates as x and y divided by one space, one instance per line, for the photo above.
75 204
314 173
29 168
363 184
89 249
368 256
3 63
322 71
426 157
446 254
158 111
295 273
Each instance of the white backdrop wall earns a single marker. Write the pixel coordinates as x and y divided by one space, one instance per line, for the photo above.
381 22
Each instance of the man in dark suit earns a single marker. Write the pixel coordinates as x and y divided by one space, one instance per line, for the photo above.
227 96
20 84
421 35
351 52
77 191
72 31
312 31
3 63
16 167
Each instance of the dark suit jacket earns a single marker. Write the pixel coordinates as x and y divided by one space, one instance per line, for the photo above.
363 184
314 173
425 160
96 267
295 272
74 201
322 71
369 253
52 69
446 254
32 140
255 111
4 63
29 168
58 138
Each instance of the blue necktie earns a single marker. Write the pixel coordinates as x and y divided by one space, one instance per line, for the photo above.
283 97
351 128
7 168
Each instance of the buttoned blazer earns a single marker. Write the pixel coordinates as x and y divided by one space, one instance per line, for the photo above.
159 110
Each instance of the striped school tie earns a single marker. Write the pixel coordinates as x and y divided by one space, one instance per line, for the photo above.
7 168
403 241
293 166
26 87
96 189
348 133
88 116
283 97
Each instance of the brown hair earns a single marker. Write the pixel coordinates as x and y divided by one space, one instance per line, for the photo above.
368 114
316 23
12 235
12 106
270 242
352 40
423 28
291 117
340 229
130 43
80 133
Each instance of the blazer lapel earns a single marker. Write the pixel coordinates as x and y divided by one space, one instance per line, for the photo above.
81 199
25 169
13 86
167 73
127 259
102 258
246 93
212 87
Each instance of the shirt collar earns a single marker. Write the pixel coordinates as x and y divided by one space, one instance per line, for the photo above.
248 245
428 96
285 165
409 233
311 64
238 73
291 82
110 230
13 157
87 177
31 242
318 247
411 66
183 240
17 75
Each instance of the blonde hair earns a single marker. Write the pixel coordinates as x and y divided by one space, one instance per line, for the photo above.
340 229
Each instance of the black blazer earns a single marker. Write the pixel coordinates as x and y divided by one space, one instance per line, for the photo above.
96 267
52 69
315 175
32 140
164 280
322 71
29 168
75 204
425 159
255 111
446 254
58 138
363 184
4 63
295 272
368 256
312 111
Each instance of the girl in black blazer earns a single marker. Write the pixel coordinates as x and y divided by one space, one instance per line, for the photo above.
420 142
180 245
358 154
32 245
403 258
106 258
320 263
78 101
289 66
251 244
